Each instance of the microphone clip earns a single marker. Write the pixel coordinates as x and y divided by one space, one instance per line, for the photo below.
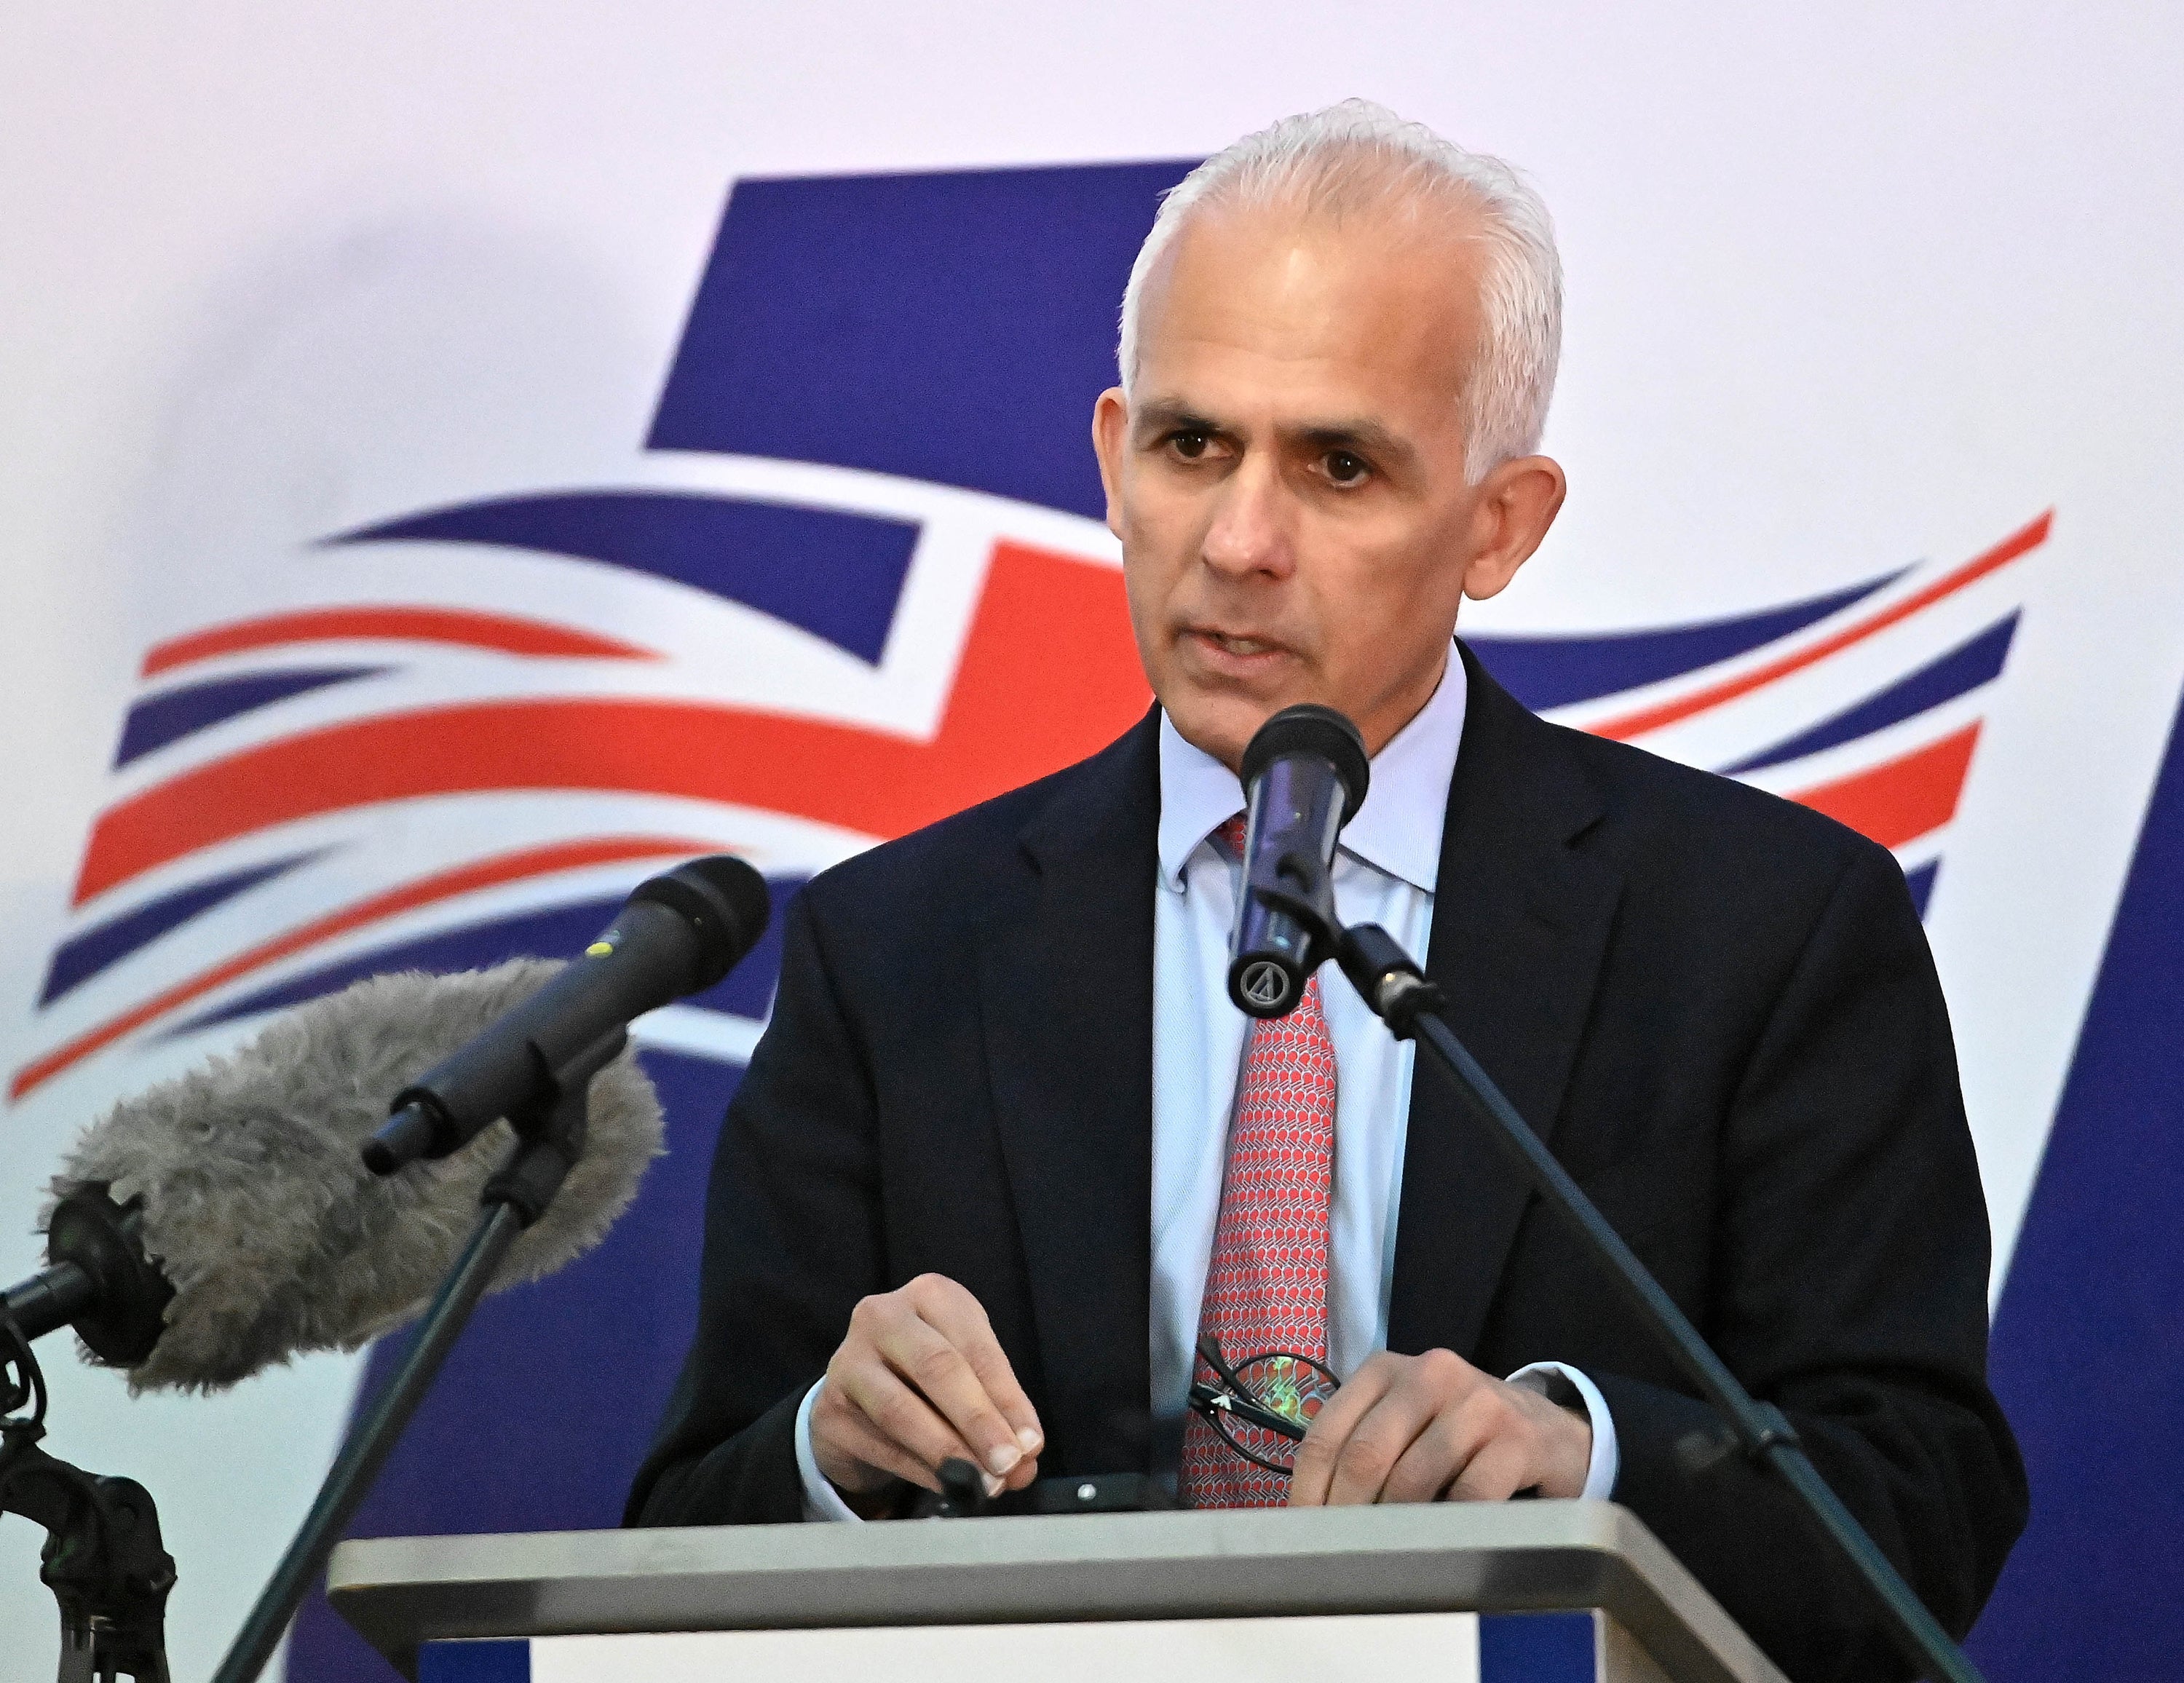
550 1135
1293 881
1386 978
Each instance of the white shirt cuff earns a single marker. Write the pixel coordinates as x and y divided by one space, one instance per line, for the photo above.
1606 1463
822 1501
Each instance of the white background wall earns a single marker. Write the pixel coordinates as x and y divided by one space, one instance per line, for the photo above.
1848 287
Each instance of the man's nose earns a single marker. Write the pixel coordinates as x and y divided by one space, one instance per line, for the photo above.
1251 531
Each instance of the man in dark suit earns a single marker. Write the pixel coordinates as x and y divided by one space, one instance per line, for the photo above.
998 1159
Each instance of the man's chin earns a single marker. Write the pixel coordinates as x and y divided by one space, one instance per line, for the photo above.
1221 726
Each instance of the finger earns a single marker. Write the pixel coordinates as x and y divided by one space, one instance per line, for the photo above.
1435 1458
858 1440
1378 1442
921 1355
1323 1443
1025 1472
855 1457
901 1416
1502 1467
961 1319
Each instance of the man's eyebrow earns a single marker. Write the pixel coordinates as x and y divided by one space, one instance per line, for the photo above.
1369 437
1160 415
1156 417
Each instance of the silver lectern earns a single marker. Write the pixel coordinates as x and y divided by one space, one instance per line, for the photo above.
1517 1593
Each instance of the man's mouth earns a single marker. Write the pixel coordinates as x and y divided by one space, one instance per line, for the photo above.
1229 643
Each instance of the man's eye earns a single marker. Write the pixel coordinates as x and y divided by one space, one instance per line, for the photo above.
1345 468
1190 446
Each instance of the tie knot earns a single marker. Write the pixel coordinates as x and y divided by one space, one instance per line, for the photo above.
1229 838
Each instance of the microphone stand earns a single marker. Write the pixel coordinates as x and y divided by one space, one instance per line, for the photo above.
550 1139
1391 984
103 1559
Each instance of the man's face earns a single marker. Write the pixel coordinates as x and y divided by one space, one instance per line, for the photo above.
1288 481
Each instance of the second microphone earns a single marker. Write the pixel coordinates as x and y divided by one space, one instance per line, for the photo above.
1305 773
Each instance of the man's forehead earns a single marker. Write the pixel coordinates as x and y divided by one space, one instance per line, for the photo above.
1316 295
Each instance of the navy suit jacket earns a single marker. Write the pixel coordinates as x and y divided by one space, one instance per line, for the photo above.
1717 1006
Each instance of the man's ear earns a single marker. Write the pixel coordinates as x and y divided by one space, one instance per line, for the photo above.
1111 431
1517 504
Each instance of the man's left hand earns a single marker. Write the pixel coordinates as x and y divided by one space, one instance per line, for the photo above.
1432 1428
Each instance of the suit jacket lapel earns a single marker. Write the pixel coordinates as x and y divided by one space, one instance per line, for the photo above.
1066 985
1521 918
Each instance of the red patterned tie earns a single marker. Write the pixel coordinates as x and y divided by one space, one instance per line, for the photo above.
1266 1286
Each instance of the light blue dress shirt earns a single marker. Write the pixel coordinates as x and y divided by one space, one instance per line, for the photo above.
1385 873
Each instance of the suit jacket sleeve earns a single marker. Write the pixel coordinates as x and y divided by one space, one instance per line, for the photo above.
792 1241
1849 1282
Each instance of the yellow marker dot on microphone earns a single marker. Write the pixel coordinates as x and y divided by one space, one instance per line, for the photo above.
599 949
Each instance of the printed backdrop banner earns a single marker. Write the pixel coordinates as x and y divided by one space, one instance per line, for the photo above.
439 531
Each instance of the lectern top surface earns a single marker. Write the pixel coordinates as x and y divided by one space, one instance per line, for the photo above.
400 1591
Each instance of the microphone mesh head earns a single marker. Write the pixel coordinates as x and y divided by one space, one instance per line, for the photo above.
726 903
741 888
1310 728
257 1206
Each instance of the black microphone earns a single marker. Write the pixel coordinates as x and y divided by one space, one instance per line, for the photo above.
1304 775
677 935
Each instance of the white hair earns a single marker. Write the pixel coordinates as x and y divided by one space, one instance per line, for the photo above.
1358 156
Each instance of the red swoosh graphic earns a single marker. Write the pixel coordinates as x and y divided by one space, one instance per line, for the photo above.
502 631
507 867
1049 674
1683 707
1904 799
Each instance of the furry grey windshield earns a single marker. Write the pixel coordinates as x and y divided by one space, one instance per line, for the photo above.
258 1209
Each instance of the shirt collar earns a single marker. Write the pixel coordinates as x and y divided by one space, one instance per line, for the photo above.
1397 831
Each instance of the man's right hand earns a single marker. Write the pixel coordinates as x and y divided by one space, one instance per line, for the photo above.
921 1379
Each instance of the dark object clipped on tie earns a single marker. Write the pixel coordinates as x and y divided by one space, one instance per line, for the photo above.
1263 1407
1305 775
